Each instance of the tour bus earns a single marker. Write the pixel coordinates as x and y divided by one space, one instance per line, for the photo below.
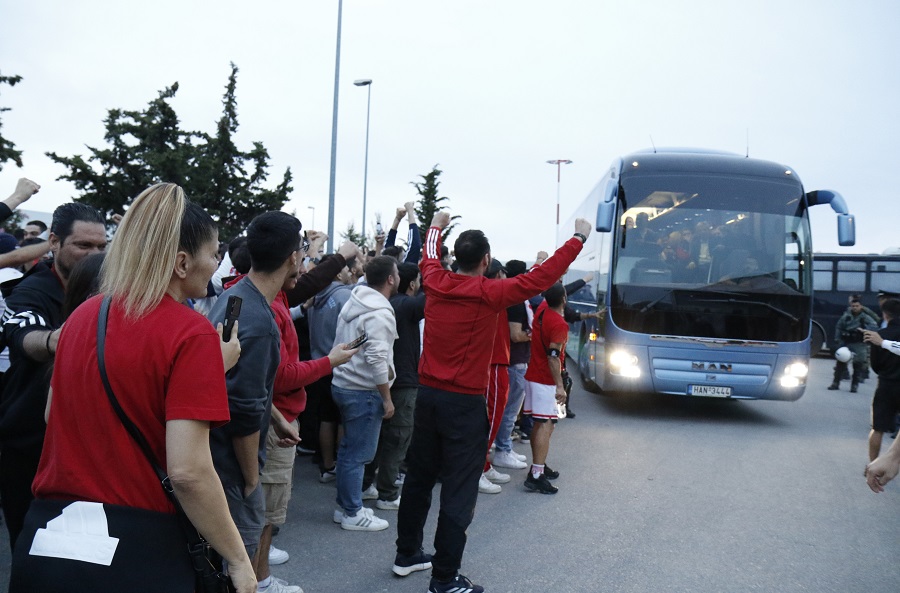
702 264
836 276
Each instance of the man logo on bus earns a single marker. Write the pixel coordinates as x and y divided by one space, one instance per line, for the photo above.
711 366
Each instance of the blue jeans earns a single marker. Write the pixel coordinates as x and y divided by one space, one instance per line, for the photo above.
361 413
513 405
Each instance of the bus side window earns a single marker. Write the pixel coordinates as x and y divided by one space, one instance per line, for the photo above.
792 266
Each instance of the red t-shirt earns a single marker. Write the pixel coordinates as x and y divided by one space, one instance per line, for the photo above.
167 365
461 315
548 327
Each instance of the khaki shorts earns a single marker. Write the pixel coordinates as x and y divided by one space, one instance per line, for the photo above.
276 478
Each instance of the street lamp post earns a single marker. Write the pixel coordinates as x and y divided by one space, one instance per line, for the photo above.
366 82
313 225
559 163
334 122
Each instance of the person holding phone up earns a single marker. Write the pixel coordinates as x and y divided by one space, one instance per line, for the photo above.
362 387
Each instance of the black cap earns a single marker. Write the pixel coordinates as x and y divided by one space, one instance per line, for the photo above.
886 294
494 269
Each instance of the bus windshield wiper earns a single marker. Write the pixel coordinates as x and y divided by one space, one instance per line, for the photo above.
656 301
768 306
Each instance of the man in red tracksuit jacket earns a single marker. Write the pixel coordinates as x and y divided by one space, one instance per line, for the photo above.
451 425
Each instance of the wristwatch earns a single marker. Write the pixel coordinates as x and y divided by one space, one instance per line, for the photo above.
582 237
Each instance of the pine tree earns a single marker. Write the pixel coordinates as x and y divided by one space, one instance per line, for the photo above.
354 236
230 186
149 146
429 203
8 150
145 147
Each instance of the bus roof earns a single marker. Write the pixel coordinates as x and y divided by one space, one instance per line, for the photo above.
692 160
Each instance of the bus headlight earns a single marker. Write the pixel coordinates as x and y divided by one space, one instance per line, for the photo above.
789 381
794 374
624 363
798 369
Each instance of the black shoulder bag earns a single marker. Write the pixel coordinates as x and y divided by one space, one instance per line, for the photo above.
206 562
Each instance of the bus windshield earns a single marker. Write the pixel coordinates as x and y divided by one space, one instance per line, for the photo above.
722 256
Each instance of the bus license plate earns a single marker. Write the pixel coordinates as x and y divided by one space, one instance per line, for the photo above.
709 390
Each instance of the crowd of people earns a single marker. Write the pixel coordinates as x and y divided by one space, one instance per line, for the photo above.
205 369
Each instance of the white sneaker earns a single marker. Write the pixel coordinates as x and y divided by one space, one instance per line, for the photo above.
486 486
370 493
278 556
279 586
496 477
518 456
401 477
338 515
388 505
508 460
365 520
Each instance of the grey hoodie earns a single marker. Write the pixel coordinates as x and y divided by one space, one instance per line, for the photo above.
367 311
323 317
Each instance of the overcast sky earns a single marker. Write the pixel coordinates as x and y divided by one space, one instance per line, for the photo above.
489 90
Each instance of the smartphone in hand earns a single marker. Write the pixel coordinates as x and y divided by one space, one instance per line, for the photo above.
232 312
362 339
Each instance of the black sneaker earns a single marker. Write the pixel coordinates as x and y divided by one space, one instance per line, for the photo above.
406 565
551 474
540 484
569 412
833 387
525 438
458 585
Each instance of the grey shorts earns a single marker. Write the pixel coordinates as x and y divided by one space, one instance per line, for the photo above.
248 514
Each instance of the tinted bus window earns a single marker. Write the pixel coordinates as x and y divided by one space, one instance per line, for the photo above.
886 276
823 275
851 276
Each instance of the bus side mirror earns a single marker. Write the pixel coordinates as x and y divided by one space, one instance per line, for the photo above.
846 230
606 209
846 222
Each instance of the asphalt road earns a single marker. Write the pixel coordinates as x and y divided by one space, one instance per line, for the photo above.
657 494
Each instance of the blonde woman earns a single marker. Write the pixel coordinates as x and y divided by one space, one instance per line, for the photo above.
165 367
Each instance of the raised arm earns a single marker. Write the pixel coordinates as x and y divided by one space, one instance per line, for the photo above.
414 240
312 282
392 232
25 188
504 293
431 253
